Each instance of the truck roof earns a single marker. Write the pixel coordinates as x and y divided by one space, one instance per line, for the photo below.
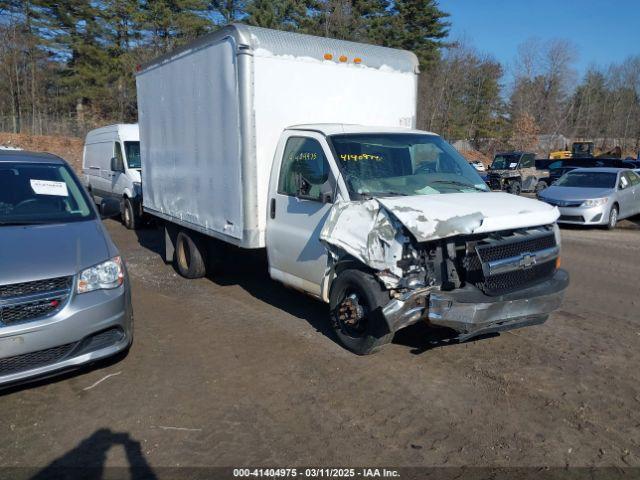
276 42
341 128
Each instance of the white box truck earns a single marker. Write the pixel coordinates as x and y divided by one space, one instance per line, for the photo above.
305 146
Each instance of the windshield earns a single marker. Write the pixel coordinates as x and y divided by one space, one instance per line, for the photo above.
403 164
38 193
505 162
588 180
132 152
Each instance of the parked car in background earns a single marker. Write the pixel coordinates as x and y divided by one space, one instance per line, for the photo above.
64 292
516 172
595 196
111 168
557 168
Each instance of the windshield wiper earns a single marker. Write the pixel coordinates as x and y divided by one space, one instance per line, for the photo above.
460 184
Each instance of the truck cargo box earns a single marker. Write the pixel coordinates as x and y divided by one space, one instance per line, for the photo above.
211 113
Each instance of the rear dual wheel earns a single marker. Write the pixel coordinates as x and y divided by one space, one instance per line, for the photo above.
189 256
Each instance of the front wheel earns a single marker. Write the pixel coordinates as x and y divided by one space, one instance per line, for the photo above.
613 218
515 188
129 216
356 303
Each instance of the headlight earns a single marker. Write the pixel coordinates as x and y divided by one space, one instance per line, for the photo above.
106 275
594 202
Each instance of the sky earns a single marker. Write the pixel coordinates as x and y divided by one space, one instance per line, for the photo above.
603 31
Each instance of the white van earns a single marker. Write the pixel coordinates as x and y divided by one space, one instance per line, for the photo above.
111 168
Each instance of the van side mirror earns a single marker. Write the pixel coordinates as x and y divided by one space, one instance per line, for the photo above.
109 208
115 165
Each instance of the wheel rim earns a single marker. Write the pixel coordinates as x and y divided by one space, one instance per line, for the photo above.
127 215
613 217
351 314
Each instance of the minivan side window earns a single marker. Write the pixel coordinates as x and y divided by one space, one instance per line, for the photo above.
304 169
119 158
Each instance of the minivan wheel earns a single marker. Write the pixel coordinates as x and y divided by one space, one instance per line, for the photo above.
356 301
189 256
515 188
613 218
129 217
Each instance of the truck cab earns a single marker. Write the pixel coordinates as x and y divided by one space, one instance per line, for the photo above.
390 226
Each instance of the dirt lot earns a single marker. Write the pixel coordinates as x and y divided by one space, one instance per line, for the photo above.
237 370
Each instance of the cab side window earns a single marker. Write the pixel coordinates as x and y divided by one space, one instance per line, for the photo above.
634 179
304 170
527 161
117 153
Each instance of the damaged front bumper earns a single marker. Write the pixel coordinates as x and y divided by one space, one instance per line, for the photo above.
470 312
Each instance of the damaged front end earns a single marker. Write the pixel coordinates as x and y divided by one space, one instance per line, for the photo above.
448 272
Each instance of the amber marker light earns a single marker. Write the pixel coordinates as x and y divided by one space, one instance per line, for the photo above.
328 56
343 58
558 262
357 60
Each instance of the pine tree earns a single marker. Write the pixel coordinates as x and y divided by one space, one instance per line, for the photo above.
278 14
416 25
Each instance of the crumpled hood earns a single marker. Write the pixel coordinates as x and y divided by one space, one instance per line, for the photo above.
429 217
36 252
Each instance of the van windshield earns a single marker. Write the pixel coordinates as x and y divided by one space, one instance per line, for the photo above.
403 164
40 193
132 152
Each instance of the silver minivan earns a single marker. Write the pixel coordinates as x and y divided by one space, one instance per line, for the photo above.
111 169
64 292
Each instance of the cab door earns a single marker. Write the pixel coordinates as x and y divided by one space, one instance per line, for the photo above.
302 190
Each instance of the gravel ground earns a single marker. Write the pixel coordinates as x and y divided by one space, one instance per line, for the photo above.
238 370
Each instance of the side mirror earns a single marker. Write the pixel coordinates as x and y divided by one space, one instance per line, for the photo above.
115 165
109 208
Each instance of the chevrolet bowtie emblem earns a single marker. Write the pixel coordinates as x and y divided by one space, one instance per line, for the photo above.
527 260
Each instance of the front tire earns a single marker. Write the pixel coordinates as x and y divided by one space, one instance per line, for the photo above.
515 188
356 301
613 218
189 256
540 186
129 217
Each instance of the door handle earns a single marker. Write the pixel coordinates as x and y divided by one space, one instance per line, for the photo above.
272 208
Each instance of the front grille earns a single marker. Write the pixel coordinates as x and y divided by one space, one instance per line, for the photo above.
38 286
27 301
512 246
572 218
28 311
563 203
29 361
